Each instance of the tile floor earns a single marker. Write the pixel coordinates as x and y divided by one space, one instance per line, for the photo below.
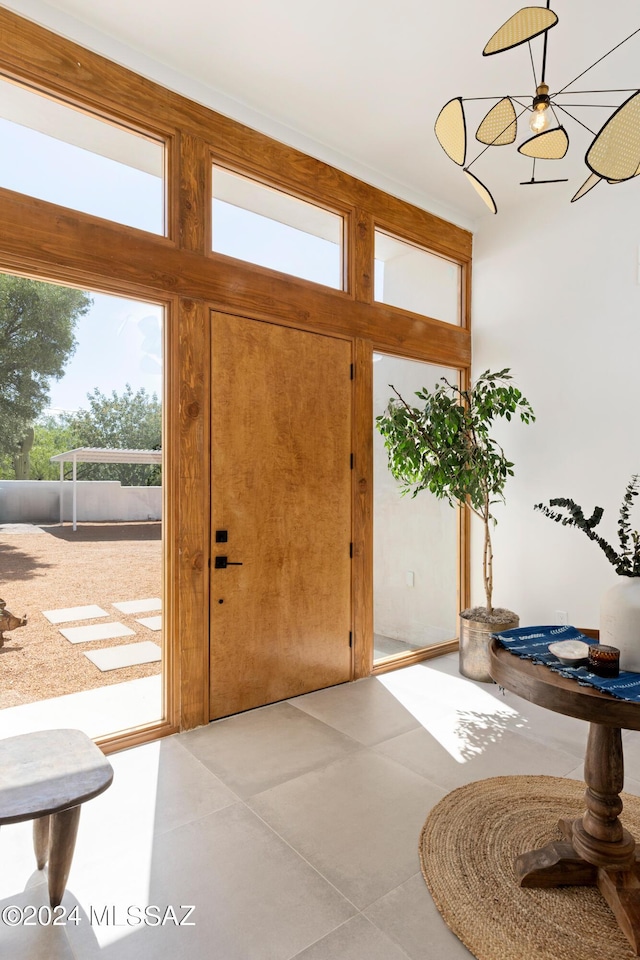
292 829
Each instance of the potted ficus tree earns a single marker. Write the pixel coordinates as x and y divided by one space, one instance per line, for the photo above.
444 446
620 605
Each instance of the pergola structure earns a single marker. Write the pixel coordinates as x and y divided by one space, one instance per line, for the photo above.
97 455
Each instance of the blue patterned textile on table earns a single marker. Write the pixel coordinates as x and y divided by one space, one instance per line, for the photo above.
532 643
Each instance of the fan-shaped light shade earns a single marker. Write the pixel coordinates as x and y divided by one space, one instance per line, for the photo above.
636 174
482 191
589 184
499 127
549 145
522 26
615 152
451 131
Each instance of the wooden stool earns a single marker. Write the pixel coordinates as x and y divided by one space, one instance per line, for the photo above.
45 777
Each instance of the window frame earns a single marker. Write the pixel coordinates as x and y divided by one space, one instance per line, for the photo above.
179 271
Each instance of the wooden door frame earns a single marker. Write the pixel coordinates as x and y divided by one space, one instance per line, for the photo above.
362 509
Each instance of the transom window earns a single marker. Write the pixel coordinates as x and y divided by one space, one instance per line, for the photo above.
270 228
412 278
66 156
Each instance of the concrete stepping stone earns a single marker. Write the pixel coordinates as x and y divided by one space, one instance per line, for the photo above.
66 614
139 606
153 623
126 655
96 631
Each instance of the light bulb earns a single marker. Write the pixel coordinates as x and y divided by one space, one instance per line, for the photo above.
539 120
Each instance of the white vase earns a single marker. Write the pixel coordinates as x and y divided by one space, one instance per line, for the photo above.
620 621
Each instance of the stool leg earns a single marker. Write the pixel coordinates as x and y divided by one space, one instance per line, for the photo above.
64 828
41 841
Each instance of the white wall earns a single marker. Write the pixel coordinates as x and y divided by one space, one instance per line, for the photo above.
38 501
556 298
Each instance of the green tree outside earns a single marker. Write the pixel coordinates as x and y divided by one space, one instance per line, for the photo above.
52 435
126 421
37 337
131 421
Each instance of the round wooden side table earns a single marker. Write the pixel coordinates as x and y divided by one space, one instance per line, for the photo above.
45 777
596 850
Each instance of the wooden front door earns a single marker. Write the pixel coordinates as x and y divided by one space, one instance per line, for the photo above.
280 511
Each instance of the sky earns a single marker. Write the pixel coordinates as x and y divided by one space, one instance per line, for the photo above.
119 343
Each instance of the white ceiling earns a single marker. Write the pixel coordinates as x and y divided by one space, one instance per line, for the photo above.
360 83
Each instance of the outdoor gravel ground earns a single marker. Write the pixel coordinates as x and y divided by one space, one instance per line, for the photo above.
51 567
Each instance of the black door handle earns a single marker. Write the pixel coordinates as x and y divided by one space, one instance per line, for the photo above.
221 563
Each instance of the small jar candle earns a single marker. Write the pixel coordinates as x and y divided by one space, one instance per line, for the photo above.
604 661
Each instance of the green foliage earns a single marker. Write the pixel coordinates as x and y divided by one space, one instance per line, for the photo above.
626 560
129 421
52 435
37 324
445 446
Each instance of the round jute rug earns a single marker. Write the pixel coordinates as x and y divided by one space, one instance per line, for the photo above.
467 848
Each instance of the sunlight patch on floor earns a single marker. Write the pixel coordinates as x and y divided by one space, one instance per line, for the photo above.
97 712
120 820
463 718
110 883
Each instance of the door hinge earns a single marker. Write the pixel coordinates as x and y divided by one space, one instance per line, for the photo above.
350 638
351 550
351 371
351 460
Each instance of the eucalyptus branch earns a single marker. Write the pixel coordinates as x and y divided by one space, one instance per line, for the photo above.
626 560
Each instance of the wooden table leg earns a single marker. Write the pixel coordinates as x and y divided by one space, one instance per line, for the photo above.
621 890
599 836
41 841
64 829
555 865
596 849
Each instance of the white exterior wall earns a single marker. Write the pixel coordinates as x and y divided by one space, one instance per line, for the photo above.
38 501
557 298
424 283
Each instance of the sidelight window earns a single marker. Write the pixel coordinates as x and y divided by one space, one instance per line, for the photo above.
415 540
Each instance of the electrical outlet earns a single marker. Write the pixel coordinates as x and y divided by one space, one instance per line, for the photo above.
562 617
409 578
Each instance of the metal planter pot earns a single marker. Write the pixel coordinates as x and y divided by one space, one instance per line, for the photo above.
474 646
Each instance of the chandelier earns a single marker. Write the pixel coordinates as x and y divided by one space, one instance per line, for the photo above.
614 152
